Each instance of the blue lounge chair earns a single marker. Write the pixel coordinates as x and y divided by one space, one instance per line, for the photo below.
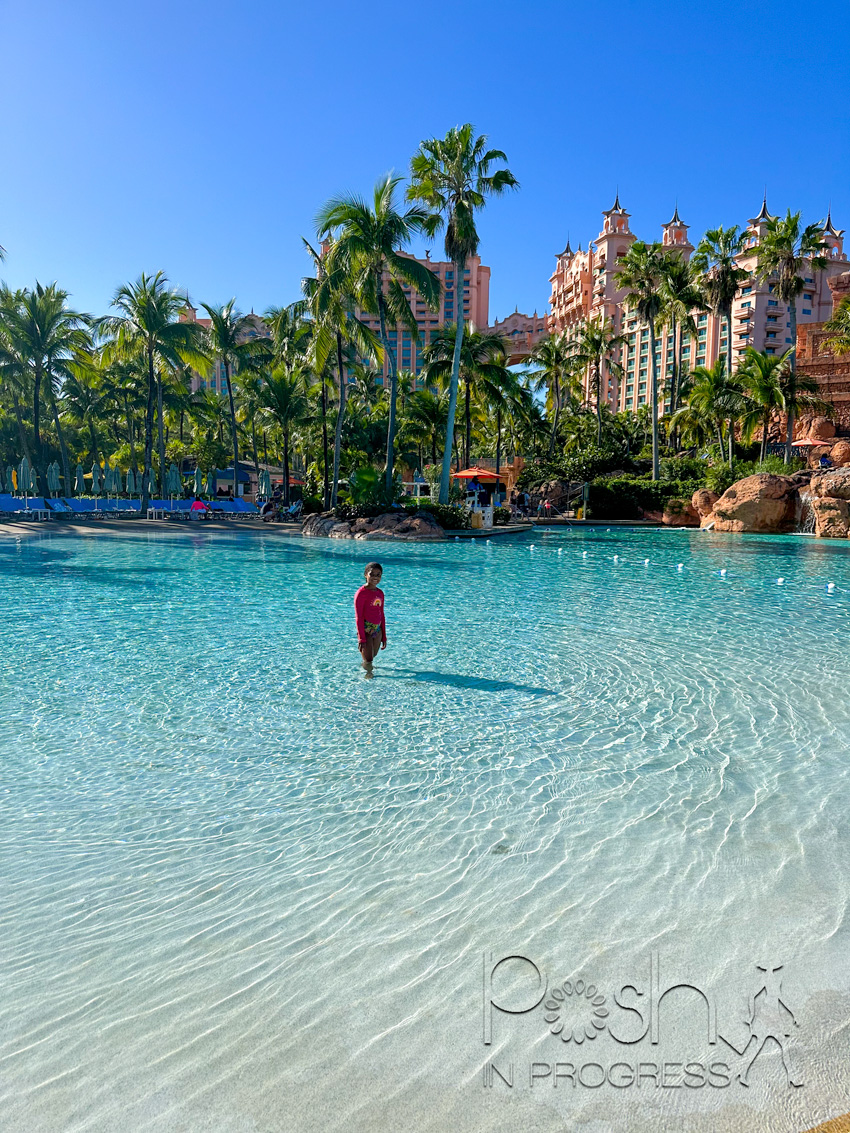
29 508
59 506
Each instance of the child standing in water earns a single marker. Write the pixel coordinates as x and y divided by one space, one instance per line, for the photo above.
369 616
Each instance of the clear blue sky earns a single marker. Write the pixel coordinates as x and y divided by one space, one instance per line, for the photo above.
201 138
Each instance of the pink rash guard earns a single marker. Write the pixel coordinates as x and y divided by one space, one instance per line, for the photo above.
369 607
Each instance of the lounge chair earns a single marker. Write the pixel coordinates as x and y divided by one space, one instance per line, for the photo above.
33 507
84 508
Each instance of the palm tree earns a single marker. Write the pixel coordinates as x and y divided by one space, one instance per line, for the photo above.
681 295
785 250
714 399
453 177
593 349
44 334
761 376
335 329
284 403
13 371
483 355
505 392
554 368
369 245
719 276
228 338
147 328
641 274
425 420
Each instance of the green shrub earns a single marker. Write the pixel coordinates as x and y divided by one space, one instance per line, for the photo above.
501 516
449 518
577 467
682 468
359 511
630 497
311 505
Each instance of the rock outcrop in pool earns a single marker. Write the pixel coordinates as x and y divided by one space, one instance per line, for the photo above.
390 526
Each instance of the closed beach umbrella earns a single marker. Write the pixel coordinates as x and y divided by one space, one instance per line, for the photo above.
199 481
152 483
175 487
10 479
211 481
79 480
33 482
57 478
24 475
107 478
51 477
131 482
2 485
95 479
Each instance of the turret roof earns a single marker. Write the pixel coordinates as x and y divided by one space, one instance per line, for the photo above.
675 219
764 214
829 228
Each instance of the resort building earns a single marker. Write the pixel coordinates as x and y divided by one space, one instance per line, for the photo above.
521 332
584 288
216 380
475 301
817 359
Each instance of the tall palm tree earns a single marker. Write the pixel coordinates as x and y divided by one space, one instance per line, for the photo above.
483 356
714 399
681 295
284 403
718 275
592 349
148 328
228 338
335 331
503 391
641 274
554 367
786 250
369 245
13 372
44 334
761 376
452 176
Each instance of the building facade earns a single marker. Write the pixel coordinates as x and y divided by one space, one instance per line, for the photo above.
584 288
475 301
216 380
816 358
521 332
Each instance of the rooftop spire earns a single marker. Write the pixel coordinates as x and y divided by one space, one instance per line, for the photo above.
764 214
829 228
675 219
568 250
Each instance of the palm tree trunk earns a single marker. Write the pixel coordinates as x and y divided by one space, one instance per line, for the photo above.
654 401
498 438
719 428
146 474
63 448
393 393
764 428
265 448
556 404
453 387
160 428
95 454
433 448
22 433
36 433
731 442
728 320
467 439
325 482
340 415
597 384
133 463
286 467
789 428
232 427
254 447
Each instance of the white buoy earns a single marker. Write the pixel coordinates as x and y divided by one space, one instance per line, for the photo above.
646 562
830 586
616 558
779 581
584 554
681 566
723 572
560 551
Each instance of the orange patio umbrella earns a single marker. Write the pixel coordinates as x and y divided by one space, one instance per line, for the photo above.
481 473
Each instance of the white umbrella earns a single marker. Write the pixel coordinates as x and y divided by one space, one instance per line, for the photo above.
107 479
131 482
80 480
24 476
53 477
33 482
95 479
174 487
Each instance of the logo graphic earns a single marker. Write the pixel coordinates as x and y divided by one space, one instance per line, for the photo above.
576 1012
770 1019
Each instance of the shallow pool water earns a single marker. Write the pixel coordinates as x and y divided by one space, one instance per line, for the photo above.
243 888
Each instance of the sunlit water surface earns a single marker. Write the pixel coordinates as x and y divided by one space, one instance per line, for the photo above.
244 889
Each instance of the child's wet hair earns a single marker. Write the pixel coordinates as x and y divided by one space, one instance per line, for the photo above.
373 566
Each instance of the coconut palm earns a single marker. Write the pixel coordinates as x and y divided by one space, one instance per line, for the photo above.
713 400
44 334
504 392
13 372
680 295
761 376
369 246
641 275
228 338
454 176
718 275
592 350
483 356
787 250
554 368
425 419
148 328
284 403
335 331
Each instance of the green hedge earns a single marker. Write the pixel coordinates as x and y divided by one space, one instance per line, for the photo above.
501 516
629 497
449 518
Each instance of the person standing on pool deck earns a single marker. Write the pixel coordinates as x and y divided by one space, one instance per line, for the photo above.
369 616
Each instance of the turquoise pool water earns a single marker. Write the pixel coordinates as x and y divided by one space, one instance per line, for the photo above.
244 889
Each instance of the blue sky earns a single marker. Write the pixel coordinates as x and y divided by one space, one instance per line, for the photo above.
201 138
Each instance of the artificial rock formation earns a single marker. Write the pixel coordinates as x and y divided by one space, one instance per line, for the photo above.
680 513
760 504
391 525
832 517
703 501
839 454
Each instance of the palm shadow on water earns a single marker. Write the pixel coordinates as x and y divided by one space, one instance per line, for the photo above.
458 680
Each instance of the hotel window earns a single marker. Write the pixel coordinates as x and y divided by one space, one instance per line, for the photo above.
643 373
769 350
772 303
771 288
772 318
748 304
807 310
808 279
788 340
642 387
771 334
702 319
746 290
702 335
808 298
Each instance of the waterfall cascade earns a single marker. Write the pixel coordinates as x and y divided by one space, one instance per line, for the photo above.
806 522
